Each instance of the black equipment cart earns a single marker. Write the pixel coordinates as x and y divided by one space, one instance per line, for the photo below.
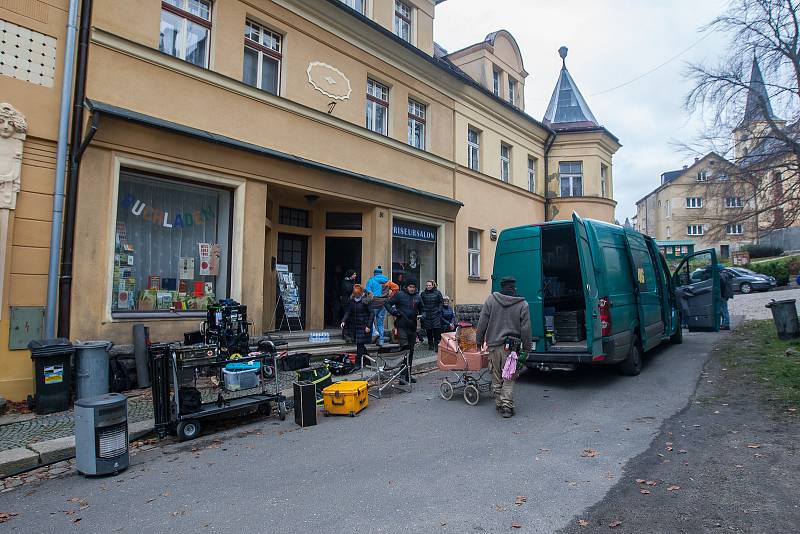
193 382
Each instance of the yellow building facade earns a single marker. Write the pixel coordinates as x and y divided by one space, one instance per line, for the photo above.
233 141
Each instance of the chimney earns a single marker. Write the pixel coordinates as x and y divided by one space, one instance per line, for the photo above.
696 159
685 167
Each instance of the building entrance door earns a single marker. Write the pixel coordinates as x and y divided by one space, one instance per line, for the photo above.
293 252
341 254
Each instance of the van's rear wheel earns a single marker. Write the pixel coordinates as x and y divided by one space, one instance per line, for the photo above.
632 365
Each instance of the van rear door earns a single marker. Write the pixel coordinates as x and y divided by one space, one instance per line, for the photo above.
651 325
697 290
594 336
519 254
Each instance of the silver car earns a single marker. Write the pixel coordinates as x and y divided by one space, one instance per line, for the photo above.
746 281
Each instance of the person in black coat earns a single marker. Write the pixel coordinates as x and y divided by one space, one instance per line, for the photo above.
345 291
432 303
404 307
357 321
448 316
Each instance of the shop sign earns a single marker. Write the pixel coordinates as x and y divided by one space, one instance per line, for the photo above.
409 230
162 217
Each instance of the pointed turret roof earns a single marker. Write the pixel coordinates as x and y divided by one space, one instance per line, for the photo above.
758 107
567 108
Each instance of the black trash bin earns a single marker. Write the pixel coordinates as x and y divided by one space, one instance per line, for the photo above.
784 314
52 359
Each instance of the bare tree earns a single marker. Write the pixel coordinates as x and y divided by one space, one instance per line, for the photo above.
735 96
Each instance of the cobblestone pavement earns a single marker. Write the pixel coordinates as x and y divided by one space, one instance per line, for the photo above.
752 306
140 408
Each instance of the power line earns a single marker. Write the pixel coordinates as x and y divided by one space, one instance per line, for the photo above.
651 71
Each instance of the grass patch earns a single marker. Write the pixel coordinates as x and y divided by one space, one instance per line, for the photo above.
755 345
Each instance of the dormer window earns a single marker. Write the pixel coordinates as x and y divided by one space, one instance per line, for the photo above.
702 176
402 21
512 91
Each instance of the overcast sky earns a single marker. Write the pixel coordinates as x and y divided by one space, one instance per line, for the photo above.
610 42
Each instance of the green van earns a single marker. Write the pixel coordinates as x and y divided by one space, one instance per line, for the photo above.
603 294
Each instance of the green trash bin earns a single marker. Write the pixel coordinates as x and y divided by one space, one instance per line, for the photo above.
784 314
52 359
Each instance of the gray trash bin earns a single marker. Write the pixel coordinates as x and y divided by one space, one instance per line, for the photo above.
91 368
784 314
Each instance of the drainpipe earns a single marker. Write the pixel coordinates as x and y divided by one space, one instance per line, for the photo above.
551 138
76 141
61 163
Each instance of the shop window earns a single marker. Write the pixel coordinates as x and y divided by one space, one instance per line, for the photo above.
342 221
413 252
262 57
171 247
293 217
571 178
474 253
186 30
377 107
402 21
416 124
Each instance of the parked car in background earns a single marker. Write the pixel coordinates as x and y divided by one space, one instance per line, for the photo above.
743 280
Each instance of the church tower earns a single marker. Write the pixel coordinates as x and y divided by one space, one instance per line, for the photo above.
757 115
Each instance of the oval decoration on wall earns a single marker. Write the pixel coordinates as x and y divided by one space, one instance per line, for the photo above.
328 80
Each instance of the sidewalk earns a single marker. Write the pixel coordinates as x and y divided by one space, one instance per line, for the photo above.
28 440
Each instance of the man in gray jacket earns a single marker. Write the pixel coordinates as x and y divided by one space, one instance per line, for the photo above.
504 316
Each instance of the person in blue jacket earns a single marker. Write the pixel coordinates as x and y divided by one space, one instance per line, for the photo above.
375 287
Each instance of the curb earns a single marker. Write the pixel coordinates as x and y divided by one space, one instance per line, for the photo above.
42 453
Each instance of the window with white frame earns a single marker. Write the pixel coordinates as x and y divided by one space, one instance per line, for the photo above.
734 229
702 176
496 82
695 229
733 202
358 5
474 253
505 162
722 177
262 57
603 180
570 174
416 124
186 30
512 91
694 202
532 174
669 233
473 149
402 20
377 107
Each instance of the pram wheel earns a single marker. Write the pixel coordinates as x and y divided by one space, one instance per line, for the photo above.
471 395
446 390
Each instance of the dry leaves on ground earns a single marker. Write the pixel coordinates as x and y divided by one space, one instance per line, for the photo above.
520 500
500 508
5 516
644 492
640 481
615 524
516 525
754 446
583 522
589 453
673 488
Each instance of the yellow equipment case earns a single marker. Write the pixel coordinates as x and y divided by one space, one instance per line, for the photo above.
346 397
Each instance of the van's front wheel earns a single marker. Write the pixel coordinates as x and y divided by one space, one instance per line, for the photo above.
632 365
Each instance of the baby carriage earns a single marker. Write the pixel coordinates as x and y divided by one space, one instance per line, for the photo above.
459 354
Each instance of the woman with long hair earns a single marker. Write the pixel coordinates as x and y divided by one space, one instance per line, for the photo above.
357 321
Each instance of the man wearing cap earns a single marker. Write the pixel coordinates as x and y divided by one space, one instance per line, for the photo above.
405 305
375 287
504 316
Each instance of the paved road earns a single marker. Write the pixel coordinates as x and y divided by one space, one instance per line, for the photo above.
411 463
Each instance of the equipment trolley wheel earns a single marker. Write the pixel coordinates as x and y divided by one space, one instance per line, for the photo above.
446 390
282 410
471 395
188 429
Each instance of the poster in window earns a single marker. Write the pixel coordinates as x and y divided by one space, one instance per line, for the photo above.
186 268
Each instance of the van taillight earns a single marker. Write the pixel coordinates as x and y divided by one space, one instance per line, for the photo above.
605 315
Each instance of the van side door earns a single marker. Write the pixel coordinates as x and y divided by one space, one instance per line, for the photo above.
594 335
651 324
697 289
